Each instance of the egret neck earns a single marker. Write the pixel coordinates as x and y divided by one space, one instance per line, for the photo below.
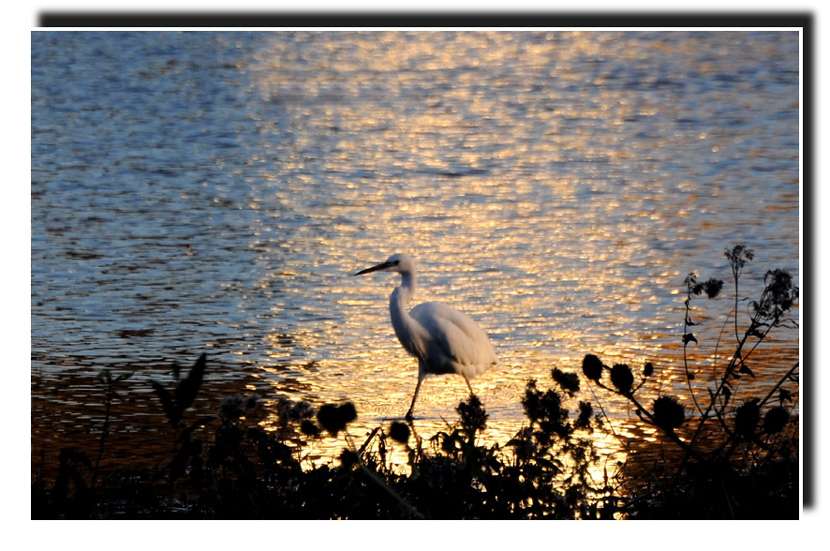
409 332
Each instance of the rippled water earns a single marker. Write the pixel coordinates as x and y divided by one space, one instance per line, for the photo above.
214 192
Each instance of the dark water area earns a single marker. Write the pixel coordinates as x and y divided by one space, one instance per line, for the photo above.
214 191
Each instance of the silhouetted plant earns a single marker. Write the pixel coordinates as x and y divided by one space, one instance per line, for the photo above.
106 376
622 378
72 495
335 418
668 413
473 416
776 419
568 382
189 454
592 367
234 468
739 428
184 393
551 461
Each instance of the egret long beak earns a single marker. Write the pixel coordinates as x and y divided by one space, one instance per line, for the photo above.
381 266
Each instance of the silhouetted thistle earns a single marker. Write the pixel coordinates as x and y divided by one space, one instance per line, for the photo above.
335 418
473 416
300 410
592 367
309 428
568 381
711 287
399 432
348 412
747 417
775 420
327 417
648 369
231 408
668 413
622 378
234 407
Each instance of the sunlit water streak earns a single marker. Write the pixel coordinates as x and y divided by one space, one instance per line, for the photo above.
215 191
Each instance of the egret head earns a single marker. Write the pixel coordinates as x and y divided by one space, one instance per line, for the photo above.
399 263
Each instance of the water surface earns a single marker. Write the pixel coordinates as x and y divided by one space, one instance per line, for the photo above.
213 192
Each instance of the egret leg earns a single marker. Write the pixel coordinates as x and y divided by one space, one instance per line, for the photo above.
466 380
415 397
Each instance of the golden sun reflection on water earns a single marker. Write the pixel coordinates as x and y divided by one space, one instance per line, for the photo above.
528 204
556 187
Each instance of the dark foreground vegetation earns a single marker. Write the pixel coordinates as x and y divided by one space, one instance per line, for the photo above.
726 456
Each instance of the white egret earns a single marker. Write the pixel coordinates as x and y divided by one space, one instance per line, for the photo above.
443 339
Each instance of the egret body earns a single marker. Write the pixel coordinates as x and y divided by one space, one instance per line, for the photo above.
443 339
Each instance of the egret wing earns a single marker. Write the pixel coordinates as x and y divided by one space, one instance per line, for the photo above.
457 343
